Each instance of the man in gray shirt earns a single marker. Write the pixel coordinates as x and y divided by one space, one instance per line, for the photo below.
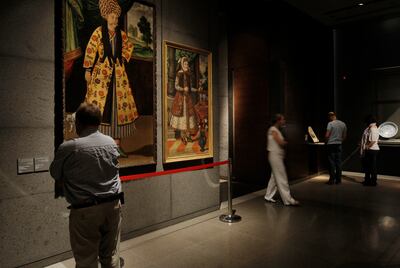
88 169
336 132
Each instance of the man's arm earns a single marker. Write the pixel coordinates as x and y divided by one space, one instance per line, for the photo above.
344 135
56 167
328 132
327 135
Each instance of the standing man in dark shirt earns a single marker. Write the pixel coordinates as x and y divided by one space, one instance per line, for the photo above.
89 171
336 133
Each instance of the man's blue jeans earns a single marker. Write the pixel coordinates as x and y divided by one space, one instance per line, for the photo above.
335 162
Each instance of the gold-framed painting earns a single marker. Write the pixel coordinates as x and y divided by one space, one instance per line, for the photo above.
113 68
187 103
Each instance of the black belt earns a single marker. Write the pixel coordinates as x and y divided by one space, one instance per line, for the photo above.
99 200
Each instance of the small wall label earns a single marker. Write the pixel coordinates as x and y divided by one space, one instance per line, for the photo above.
41 164
25 165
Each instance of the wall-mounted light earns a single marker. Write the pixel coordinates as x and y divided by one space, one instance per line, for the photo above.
360 4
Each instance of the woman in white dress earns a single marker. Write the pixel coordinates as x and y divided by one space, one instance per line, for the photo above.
276 154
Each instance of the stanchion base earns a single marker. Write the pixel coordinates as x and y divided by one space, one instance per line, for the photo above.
230 218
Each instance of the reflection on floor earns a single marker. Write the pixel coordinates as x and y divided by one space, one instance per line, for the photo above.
343 226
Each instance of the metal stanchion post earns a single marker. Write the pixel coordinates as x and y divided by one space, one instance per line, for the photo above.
231 217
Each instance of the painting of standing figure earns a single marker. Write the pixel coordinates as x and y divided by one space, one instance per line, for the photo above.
107 82
187 107
109 60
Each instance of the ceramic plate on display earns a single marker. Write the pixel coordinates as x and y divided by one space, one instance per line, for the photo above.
388 130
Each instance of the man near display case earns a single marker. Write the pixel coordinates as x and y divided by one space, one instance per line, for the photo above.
369 149
336 132
88 169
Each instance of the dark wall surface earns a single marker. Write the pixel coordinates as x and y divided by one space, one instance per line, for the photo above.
280 61
368 79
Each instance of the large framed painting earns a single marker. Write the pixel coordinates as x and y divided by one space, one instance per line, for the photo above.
109 59
187 103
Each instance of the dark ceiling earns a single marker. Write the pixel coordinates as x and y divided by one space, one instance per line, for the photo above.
337 12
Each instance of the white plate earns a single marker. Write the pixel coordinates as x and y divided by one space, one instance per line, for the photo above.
388 130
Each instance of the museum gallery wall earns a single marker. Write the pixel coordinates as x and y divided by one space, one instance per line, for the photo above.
120 79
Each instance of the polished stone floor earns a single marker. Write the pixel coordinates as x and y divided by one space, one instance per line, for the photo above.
343 226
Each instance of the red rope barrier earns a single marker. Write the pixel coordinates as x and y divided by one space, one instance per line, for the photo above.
178 170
